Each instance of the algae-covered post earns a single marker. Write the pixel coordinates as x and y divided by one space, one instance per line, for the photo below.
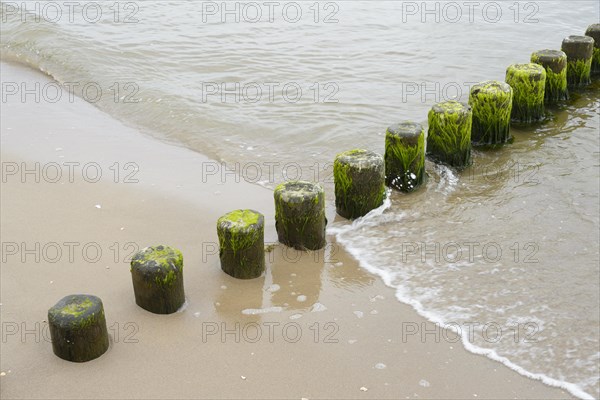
157 274
242 240
300 215
528 82
78 328
404 156
555 63
579 50
593 31
449 134
359 182
491 102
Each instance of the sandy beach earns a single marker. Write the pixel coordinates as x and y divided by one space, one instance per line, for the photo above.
315 325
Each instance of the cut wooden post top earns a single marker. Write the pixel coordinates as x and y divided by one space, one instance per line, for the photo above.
74 310
153 257
298 191
241 220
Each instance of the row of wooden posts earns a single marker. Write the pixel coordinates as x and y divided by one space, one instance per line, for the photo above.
77 322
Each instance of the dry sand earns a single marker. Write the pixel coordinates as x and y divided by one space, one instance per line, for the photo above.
352 349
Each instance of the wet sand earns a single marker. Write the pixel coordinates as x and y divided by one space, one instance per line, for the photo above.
342 338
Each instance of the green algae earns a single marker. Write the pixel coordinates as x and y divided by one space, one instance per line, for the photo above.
163 257
89 321
405 156
491 103
579 72
341 178
241 228
528 82
167 280
359 181
449 134
555 64
240 219
300 214
76 309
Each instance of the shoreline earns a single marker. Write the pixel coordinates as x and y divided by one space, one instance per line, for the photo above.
181 208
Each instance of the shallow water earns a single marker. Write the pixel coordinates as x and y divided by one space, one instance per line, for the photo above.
507 248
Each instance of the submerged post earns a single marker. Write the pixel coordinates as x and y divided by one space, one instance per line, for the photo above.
78 328
593 31
404 156
491 102
555 63
241 243
359 182
579 50
300 215
157 274
528 82
449 135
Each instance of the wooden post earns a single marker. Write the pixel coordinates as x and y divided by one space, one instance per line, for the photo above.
242 243
404 156
491 102
157 274
528 82
555 63
449 135
300 215
78 328
359 182
579 50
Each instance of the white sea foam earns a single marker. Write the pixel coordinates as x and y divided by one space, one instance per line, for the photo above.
448 179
